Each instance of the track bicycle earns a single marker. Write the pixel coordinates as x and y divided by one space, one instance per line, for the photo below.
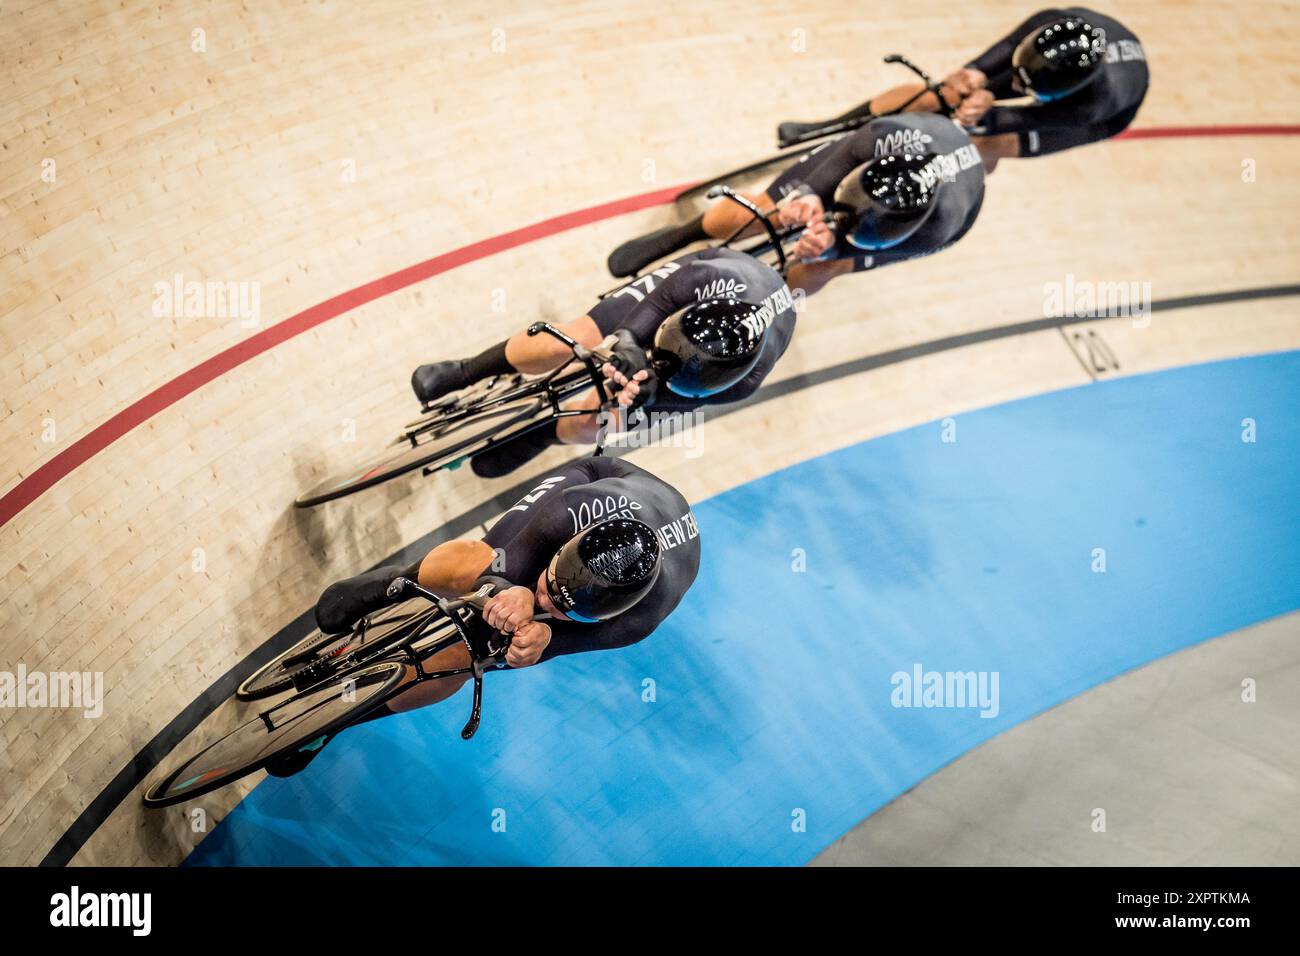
334 680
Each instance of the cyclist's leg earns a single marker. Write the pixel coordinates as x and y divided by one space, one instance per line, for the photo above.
432 691
894 97
580 429
635 254
570 430
912 94
605 317
530 354
1043 142
506 457
724 217
811 277
719 221
534 354
345 602
449 569
996 147
586 429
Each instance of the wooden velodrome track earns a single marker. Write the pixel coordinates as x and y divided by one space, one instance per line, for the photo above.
318 148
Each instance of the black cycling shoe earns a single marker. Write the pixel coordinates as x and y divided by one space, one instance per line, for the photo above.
345 602
635 254
431 382
791 131
287 764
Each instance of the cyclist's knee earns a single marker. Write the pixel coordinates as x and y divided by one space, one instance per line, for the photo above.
578 430
585 331
724 215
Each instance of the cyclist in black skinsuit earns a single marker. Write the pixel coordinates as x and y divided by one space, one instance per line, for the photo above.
562 504
514 556
1098 110
805 191
809 188
634 314
1101 107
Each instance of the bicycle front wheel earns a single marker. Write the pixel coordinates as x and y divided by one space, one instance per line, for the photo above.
296 722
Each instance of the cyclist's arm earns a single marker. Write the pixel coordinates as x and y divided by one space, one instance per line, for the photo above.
998 57
519 562
1072 113
673 293
907 93
837 161
570 637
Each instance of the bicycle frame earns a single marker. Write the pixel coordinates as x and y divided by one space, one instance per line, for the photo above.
482 660
592 359
849 125
484 656
775 239
556 385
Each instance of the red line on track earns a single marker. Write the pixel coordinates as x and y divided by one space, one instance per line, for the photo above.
1166 132
141 410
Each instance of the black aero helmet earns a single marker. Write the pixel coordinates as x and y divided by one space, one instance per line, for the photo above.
892 196
709 346
604 569
1059 58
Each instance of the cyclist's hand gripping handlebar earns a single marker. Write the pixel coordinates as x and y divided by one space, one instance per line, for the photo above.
479 662
592 358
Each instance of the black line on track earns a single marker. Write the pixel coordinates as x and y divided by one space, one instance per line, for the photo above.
184 723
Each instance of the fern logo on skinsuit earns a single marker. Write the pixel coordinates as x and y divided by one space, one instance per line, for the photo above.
600 509
720 287
903 141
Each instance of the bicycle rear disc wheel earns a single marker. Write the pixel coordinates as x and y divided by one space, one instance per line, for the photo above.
296 722
458 440
277 675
